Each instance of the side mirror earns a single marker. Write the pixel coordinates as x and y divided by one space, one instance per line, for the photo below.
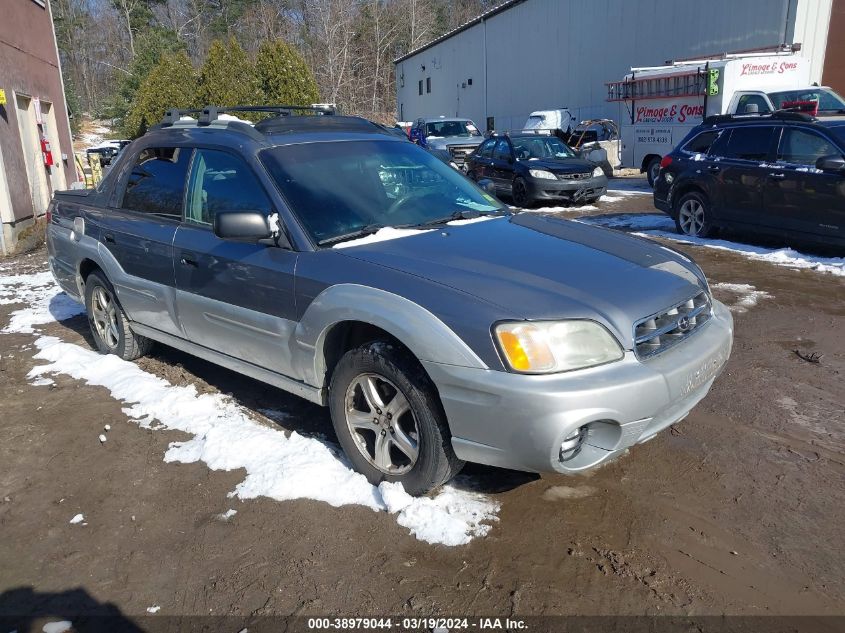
487 185
831 163
241 225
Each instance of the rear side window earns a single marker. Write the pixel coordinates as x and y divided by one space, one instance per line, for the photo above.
157 182
222 182
701 143
802 147
748 143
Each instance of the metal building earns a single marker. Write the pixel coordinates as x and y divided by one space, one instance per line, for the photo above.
527 55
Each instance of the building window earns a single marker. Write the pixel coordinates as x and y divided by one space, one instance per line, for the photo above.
420 86
428 84
491 124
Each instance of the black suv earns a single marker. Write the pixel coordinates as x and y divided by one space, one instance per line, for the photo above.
781 174
532 166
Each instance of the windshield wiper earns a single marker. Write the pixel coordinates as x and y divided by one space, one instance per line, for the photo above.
457 215
367 229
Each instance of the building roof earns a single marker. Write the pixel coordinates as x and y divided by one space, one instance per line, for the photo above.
463 27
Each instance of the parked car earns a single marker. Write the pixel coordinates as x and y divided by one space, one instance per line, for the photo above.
559 119
781 174
520 341
457 136
534 166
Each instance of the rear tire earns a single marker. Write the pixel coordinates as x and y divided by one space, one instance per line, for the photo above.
389 419
109 325
693 216
652 170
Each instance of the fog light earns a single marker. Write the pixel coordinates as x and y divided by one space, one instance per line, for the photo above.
572 443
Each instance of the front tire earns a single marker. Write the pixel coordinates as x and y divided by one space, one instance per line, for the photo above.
693 216
109 325
521 197
389 420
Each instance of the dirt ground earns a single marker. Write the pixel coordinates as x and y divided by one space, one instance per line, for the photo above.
736 510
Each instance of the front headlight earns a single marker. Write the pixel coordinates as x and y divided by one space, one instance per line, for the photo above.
598 171
545 347
542 173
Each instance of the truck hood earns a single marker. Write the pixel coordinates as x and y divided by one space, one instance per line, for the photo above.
537 267
442 142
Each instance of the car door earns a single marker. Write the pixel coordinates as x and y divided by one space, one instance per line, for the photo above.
799 197
501 166
138 231
482 160
739 163
235 297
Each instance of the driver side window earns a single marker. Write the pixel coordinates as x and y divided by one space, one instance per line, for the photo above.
222 182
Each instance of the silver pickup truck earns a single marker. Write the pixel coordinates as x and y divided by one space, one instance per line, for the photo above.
335 261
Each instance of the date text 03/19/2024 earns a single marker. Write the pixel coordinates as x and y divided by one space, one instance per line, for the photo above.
416 623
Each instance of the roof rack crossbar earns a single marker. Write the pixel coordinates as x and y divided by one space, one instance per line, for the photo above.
210 113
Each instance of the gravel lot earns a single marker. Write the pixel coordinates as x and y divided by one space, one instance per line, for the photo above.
736 510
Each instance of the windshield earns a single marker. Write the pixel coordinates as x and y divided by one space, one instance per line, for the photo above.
530 147
341 187
451 128
828 100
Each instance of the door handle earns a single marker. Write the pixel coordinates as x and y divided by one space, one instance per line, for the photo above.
777 175
188 259
109 238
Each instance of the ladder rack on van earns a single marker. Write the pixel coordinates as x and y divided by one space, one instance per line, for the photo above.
680 84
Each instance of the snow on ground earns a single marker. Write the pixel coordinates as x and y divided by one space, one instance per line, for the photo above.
226 437
77 518
659 225
153 609
57 627
743 296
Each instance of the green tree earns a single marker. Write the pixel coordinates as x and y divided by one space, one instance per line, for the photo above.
283 76
227 77
172 83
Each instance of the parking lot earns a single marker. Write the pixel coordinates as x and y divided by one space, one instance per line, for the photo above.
737 509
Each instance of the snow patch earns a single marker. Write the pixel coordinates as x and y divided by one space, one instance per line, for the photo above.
153 609
279 466
744 295
57 627
227 515
482 218
44 304
382 235
77 518
42 382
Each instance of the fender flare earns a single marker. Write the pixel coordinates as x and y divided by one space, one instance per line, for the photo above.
428 338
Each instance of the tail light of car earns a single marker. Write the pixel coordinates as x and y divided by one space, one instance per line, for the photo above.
667 160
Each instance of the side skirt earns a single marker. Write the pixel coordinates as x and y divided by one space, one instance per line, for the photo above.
312 394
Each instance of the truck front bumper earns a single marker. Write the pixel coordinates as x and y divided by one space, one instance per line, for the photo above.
520 421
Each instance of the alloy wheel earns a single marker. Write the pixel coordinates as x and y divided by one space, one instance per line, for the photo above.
104 317
520 194
691 217
382 424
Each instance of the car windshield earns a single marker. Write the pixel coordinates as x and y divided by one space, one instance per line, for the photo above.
339 188
828 100
451 128
535 147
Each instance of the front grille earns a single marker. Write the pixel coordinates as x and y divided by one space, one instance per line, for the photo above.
459 153
574 176
666 329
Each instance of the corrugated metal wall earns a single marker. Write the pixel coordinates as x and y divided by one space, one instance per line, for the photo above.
553 53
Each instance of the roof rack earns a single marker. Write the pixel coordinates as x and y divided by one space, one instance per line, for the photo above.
781 115
209 114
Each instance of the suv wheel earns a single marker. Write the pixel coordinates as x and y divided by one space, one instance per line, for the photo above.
652 170
693 216
389 420
520 193
109 325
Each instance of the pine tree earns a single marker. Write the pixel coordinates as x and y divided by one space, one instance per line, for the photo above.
227 77
283 76
172 83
